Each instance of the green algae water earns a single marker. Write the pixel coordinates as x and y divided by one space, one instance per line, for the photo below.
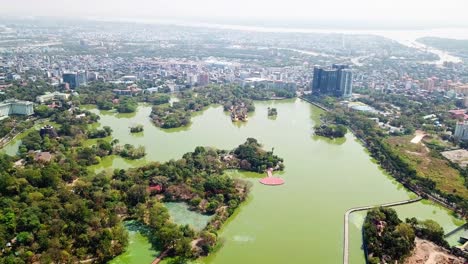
300 221
181 215
13 146
139 249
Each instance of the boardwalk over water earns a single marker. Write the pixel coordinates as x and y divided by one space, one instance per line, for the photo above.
364 208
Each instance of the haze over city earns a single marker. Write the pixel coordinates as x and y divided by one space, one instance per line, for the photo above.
360 13
227 132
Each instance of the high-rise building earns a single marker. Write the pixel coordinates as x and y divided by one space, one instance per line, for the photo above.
81 78
203 79
71 79
75 79
15 107
429 84
337 81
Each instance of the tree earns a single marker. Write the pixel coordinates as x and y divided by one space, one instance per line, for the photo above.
168 236
158 216
137 194
127 105
386 237
405 231
43 111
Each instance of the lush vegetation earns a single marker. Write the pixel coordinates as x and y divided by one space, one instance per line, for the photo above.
130 152
388 239
57 211
157 99
27 91
177 115
136 129
98 93
231 97
379 142
251 157
196 179
101 94
272 111
43 111
331 131
11 126
127 105
41 219
46 215
100 133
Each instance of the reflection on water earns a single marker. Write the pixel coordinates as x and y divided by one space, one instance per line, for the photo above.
336 141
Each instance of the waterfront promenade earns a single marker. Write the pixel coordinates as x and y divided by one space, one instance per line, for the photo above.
314 103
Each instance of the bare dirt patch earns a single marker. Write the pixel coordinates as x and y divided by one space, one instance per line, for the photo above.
426 252
459 156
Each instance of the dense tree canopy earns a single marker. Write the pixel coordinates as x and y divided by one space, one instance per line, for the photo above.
179 113
388 239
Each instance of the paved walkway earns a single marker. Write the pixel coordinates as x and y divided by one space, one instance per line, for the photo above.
364 208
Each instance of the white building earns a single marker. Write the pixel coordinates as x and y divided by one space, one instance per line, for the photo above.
15 107
52 96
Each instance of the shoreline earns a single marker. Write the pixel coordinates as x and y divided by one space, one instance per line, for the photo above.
404 183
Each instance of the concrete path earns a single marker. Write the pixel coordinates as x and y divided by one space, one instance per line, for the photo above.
364 208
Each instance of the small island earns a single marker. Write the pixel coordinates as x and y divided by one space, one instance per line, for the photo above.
330 131
272 112
239 113
136 129
130 152
235 99
198 180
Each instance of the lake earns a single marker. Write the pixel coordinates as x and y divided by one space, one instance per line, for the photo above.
300 221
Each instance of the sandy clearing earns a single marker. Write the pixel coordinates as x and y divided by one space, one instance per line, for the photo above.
426 252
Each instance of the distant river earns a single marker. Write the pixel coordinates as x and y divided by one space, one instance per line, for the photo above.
405 37
300 222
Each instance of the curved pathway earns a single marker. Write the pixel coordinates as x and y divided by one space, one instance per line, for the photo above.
364 208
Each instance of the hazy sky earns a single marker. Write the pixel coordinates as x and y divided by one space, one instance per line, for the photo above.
447 11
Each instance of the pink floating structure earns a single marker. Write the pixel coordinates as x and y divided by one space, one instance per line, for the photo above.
270 180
